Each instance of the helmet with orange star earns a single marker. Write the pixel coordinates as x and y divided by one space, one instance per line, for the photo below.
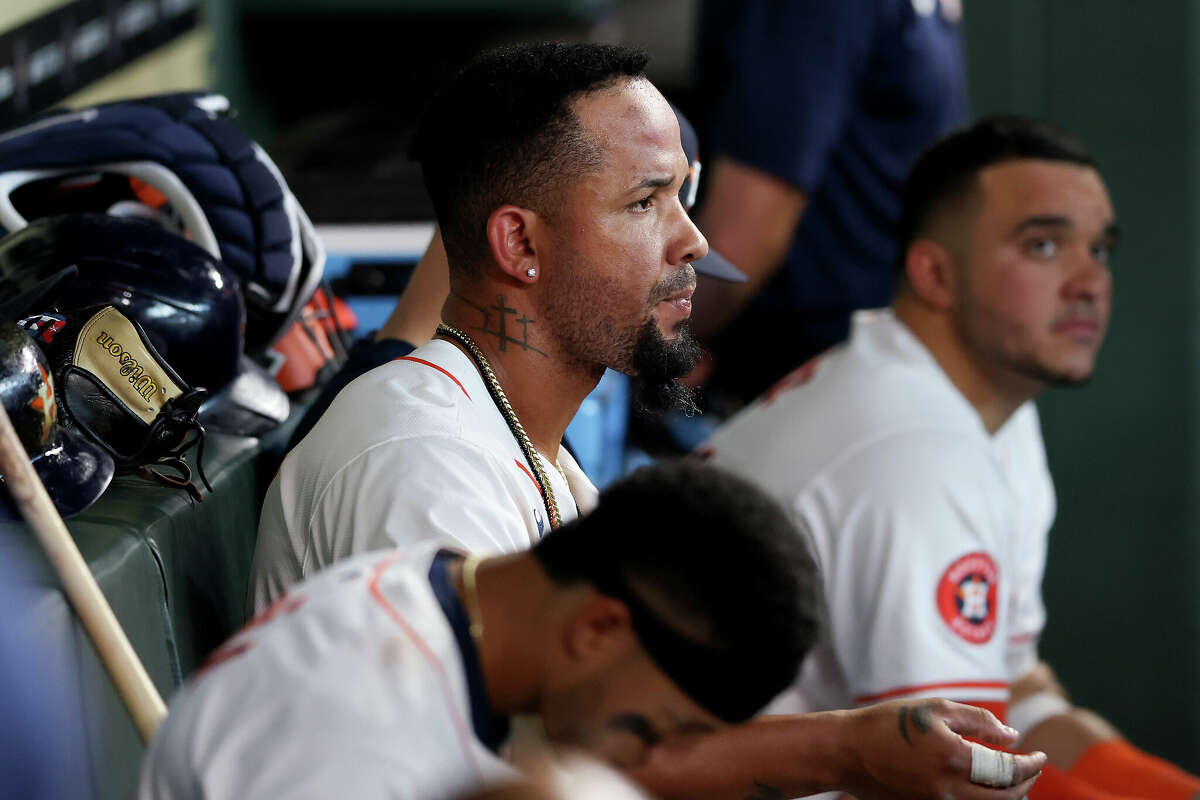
74 471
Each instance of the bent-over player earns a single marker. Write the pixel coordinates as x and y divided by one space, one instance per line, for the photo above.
913 461
393 675
555 172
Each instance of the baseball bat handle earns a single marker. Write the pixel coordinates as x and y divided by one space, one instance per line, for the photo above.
132 682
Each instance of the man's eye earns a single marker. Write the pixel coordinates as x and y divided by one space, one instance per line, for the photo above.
645 204
1043 248
1102 252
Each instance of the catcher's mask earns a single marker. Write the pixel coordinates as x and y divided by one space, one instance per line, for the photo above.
74 471
186 301
114 386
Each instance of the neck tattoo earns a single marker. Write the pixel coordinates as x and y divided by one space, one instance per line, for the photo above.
510 417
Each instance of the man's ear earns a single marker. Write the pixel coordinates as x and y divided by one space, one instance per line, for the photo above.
598 629
509 233
929 268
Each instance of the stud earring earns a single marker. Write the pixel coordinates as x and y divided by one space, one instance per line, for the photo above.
531 272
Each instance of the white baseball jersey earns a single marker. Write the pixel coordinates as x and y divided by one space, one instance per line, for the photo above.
352 685
414 450
930 534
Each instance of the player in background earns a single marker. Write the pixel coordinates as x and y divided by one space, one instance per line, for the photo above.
912 455
818 111
394 674
555 172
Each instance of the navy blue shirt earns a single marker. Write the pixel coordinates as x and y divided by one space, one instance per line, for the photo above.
837 97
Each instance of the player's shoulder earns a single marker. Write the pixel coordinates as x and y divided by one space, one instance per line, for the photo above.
341 608
913 465
434 392
873 392
369 628
435 386
394 579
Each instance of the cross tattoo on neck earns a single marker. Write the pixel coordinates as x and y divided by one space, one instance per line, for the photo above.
502 312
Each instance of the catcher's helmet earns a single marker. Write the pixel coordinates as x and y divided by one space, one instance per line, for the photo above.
187 302
180 160
74 471
113 385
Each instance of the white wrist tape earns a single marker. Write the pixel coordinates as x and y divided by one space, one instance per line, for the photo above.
991 767
1038 707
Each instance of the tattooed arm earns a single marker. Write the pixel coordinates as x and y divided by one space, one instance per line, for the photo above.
907 750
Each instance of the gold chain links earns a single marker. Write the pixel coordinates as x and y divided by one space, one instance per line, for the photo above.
510 417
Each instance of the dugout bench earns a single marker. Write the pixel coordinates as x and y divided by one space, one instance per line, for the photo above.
175 572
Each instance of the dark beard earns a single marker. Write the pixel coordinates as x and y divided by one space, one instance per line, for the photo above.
658 364
1057 380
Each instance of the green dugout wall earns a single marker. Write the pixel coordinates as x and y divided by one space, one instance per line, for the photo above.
1121 583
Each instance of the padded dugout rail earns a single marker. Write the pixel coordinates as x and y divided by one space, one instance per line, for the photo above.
175 572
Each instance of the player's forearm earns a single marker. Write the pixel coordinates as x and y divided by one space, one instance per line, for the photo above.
770 757
419 308
749 217
1040 709
901 750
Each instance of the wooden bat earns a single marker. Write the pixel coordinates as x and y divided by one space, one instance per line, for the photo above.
132 682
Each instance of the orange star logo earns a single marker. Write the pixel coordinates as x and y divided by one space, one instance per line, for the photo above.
45 403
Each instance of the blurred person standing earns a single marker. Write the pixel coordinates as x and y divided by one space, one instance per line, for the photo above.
818 109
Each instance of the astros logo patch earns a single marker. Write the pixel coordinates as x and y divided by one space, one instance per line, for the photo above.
966 597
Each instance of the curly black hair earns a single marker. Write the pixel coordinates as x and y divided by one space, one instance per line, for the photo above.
503 131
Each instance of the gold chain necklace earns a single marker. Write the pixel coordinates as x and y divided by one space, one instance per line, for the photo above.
510 416
471 590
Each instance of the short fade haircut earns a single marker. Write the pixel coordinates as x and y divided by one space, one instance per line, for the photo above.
503 131
945 174
721 587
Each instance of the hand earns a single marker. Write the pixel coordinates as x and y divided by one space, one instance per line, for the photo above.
914 750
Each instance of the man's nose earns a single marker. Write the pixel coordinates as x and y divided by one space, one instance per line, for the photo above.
688 243
1091 276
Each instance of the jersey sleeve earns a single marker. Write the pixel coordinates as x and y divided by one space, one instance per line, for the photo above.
412 491
909 535
1020 448
786 75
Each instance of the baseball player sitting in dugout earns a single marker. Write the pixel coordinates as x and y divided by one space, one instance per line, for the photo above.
555 173
393 674
912 456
